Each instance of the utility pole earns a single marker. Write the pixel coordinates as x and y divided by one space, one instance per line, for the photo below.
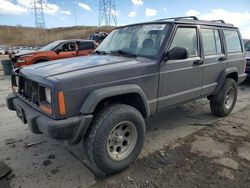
107 12
39 15
75 12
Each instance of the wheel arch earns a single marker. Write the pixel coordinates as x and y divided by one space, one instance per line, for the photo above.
128 94
231 72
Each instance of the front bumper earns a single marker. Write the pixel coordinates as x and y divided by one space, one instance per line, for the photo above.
70 129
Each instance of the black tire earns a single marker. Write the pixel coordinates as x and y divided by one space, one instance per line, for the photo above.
218 104
97 139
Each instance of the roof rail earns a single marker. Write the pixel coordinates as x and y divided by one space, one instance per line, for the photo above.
179 18
221 21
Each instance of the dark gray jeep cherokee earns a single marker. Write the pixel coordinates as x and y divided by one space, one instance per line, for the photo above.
136 71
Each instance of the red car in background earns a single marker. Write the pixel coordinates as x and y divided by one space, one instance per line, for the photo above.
56 50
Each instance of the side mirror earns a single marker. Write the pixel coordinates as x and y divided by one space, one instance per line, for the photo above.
177 53
57 51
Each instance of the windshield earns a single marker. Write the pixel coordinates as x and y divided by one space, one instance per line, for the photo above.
139 40
50 46
247 46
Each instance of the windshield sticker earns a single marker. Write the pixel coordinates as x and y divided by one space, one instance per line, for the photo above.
159 27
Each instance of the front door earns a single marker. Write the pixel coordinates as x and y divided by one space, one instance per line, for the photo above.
181 80
69 49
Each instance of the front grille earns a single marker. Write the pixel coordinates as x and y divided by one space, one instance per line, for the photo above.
29 90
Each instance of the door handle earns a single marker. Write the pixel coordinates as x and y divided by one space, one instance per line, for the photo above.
223 58
197 62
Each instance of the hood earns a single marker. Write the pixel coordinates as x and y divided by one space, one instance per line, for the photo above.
24 52
28 52
53 68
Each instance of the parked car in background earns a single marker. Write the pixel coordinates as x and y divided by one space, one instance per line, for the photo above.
56 50
98 37
2 51
247 48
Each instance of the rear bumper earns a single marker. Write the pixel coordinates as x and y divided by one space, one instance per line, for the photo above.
70 129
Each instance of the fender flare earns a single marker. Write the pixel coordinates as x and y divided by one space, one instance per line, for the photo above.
223 77
96 96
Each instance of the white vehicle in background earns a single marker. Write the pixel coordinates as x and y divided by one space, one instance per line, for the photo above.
2 51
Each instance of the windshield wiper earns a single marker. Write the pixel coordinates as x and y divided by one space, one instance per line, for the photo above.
100 52
120 52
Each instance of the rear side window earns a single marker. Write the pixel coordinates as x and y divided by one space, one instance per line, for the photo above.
85 45
232 41
186 38
211 41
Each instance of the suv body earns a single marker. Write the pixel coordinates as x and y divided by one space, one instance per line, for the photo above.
247 48
56 50
136 71
98 37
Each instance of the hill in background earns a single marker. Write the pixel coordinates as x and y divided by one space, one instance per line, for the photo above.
27 36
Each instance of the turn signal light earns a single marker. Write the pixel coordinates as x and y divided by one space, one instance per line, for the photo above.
61 101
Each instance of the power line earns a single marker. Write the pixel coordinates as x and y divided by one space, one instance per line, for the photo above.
107 12
39 15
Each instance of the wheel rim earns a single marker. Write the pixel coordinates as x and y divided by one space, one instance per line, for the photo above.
121 141
229 99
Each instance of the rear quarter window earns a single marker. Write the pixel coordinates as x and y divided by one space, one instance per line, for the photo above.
232 41
85 45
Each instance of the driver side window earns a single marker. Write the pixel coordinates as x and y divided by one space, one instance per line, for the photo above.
68 47
186 38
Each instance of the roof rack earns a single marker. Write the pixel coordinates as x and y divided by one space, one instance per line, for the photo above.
221 21
179 18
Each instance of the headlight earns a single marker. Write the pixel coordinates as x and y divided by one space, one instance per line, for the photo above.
28 55
21 61
48 95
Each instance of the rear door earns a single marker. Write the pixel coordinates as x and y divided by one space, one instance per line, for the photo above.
215 60
180 80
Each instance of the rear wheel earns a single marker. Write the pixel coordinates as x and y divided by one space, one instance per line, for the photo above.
223 103
116 138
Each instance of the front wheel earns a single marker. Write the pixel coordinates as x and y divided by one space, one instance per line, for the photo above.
116 138
223 103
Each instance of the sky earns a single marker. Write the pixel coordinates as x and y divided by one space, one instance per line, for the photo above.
60 13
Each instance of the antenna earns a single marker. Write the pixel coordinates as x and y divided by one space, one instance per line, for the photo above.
39 16
107 12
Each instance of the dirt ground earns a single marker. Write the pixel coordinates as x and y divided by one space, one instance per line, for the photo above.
50 163
216 156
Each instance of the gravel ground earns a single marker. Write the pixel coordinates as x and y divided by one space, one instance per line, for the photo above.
53 164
